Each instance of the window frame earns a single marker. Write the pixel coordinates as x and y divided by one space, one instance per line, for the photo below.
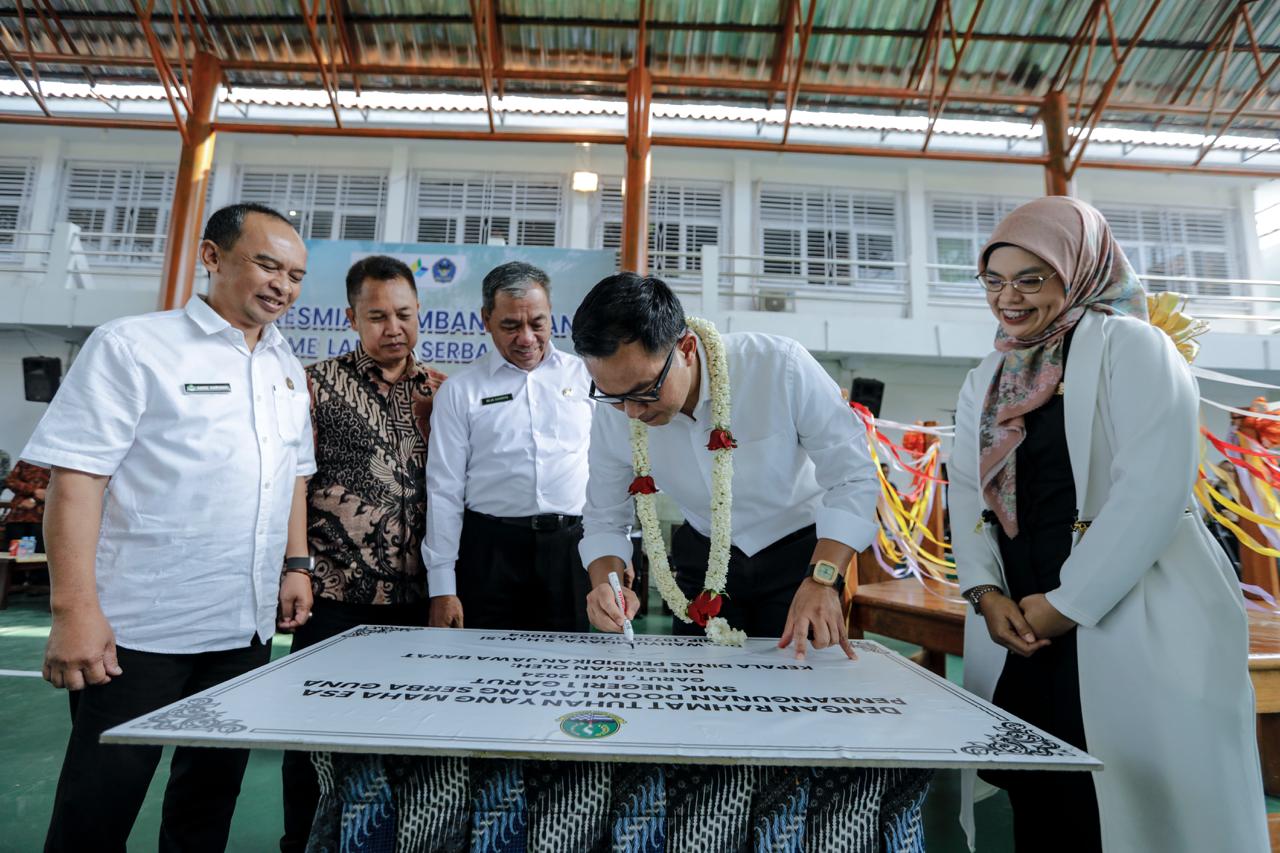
843 222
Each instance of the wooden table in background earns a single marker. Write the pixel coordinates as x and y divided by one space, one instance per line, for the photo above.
11 566
906 611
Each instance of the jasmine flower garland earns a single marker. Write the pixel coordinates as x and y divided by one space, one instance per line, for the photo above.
703 609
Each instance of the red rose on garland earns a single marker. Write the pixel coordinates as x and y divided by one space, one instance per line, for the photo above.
721 439
705 607
642 486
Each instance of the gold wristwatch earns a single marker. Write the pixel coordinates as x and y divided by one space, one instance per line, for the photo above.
827 574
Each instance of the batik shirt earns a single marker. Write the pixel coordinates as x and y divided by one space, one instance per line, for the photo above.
24 480
366 504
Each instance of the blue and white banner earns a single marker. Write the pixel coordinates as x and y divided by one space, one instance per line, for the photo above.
450 330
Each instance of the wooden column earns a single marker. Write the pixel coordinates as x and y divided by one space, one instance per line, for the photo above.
1054 117
635 208
187 216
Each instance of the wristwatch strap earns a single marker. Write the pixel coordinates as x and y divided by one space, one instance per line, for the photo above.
975 595
304 565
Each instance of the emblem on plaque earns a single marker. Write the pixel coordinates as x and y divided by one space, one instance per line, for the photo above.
590 725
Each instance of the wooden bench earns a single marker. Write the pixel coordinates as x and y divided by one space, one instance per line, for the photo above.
10 567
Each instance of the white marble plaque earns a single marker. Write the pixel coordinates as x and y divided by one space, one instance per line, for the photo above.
435 691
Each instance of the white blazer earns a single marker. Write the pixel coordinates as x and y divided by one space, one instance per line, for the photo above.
1163 639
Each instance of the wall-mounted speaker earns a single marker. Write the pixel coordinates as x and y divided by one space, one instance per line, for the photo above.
40 377
868 392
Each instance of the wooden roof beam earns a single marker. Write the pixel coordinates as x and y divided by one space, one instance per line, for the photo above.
313 35
496 49
1082 137
163 70
1263 80
1253 37
793 91
1222 73
17 70
932 30
347 38
1088 64
1062 76
782 47
951 77
479 9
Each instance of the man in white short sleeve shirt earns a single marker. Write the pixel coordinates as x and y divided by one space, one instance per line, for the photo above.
507 472
188 434
804 487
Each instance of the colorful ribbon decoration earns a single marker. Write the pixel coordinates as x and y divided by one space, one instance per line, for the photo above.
902 545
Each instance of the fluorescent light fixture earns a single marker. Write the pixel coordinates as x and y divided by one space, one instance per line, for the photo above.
586 182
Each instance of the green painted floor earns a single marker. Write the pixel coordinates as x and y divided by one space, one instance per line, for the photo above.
34 724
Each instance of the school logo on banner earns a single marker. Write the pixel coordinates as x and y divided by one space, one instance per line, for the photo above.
443 271
590 725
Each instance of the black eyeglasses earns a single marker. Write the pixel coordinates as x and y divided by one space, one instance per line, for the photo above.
650 396
1022 284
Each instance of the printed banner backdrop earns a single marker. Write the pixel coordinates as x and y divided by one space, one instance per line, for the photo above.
435 691
450 331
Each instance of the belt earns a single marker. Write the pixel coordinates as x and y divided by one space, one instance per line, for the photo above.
537 523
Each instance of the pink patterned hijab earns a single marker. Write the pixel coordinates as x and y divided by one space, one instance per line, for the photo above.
1075 241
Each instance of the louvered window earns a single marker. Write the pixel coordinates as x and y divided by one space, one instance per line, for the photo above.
122 210
959 227
831 237
491 208
17 178
322 204
1196 243
684 216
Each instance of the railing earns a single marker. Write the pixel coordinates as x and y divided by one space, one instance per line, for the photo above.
67 257
1227 299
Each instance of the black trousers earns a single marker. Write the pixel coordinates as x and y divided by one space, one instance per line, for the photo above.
516 578
1044 690
760 588
101 787
328 619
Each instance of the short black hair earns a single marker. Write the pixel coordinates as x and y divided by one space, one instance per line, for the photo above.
378 268
624 308
224 227
515 278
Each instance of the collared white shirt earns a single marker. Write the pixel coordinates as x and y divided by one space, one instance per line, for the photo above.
801 458
203 440
505 442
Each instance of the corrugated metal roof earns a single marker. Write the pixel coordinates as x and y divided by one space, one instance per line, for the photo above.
1018 47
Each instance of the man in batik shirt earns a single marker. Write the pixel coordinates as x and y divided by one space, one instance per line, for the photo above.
366 504
26 511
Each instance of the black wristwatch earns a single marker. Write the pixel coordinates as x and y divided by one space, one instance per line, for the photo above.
302 565
975 595
827 574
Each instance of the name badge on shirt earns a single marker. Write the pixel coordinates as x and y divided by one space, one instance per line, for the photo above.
206 387
501 398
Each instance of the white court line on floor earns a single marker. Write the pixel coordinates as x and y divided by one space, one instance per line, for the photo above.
21 673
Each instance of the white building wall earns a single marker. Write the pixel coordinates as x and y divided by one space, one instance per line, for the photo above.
933 348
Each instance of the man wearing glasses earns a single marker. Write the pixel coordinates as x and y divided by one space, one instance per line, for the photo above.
507 472
804 487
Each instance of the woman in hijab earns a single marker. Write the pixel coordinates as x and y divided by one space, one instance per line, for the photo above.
1102 611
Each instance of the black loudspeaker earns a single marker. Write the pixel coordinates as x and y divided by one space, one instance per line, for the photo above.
868 392
40 377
